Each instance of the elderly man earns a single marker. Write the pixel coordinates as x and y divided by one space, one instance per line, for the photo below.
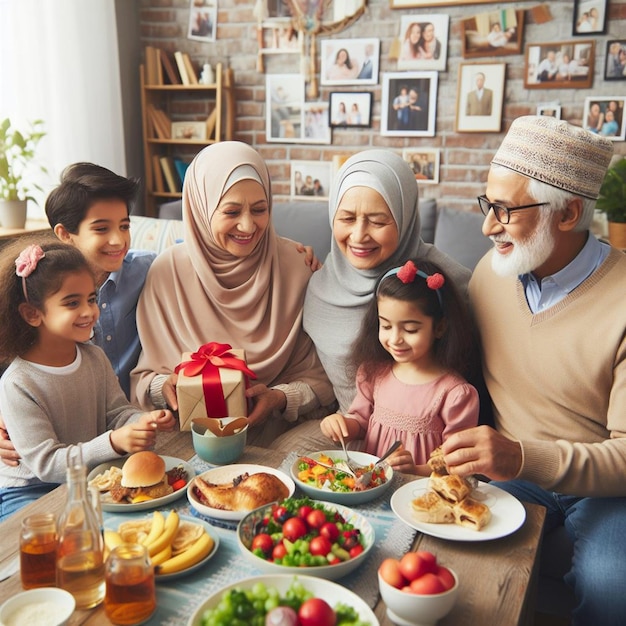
549 304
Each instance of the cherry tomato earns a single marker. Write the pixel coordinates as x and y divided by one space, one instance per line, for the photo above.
294 528
427 584
304 511
316 518
316 612
279 551
263 542
430 558
412 566
320 546
281 514
179 484
446 577
354 552
330 531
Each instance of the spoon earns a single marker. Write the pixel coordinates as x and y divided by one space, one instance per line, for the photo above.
363 480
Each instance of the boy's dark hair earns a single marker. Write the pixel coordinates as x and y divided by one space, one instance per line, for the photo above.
82 185
61 259
453 351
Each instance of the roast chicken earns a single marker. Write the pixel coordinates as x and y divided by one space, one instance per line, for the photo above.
246 492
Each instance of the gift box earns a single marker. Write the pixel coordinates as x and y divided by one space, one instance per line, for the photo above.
211 383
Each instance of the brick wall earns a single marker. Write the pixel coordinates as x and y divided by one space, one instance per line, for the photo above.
465 157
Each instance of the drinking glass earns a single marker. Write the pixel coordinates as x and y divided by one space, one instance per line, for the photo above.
38 544
130 596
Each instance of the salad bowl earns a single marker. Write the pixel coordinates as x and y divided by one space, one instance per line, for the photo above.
331 489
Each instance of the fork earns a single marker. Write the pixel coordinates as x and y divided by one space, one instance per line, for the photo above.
351 465
363 480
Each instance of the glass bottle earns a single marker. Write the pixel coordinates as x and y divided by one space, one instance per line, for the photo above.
80 565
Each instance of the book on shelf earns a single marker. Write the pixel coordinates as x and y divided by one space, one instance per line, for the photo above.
152 64
181 169
191 72
171 72
160 122
157 172
210 123
171 178
182 69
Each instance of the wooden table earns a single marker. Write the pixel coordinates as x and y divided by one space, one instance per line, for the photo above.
498 578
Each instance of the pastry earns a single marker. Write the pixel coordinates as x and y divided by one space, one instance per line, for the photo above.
450 487
472 514
432 509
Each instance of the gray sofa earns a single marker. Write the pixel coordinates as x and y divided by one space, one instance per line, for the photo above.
454 232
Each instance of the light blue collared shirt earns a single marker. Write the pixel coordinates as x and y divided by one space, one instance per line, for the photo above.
552 289
116 330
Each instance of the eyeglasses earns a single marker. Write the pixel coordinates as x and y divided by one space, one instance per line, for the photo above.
503 213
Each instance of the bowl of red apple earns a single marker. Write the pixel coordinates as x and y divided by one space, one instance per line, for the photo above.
416 589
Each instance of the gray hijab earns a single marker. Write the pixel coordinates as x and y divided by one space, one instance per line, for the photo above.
338 294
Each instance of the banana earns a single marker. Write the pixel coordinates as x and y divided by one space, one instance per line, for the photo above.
158 525
166 537
112 539
162 556
199 550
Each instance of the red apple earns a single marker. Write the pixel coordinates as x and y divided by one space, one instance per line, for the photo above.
389 571
412 566
427 584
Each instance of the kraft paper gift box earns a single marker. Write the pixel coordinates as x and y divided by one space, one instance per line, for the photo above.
217 384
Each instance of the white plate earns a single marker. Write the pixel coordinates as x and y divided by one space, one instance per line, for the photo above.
225 474
348 498
113 523
332 592
114 507
507 513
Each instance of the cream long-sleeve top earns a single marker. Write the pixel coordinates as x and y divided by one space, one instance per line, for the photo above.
557 378
49 409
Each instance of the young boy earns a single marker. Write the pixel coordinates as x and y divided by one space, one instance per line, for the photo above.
90 210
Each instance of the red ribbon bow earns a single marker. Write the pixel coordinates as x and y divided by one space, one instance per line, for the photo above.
207 362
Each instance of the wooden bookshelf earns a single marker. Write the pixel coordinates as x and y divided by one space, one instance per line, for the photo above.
163 103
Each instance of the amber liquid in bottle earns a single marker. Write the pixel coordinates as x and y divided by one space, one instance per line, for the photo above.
130 597
80 564
38 562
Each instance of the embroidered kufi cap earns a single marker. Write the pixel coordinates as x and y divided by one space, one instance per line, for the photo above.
557 153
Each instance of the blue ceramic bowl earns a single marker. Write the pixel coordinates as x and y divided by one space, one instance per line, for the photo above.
218 450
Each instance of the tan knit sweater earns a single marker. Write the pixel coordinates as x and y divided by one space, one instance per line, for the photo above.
557 379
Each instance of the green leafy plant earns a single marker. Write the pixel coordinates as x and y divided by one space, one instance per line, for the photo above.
17 155
612 199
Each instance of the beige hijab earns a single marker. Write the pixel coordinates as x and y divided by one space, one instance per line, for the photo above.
197 292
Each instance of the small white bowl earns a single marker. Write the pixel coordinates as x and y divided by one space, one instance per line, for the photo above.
351 498
412 609
45 606
248 528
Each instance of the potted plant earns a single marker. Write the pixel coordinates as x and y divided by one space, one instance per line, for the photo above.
17 158
612 201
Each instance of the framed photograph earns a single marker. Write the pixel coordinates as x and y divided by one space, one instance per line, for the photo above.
550 109
284 95
409 103
480 97
202 20
278 36
615 64
316 123
417 4
425 164
562 65
349 61
589 17
310 180
195 131
351 108
605 116
495 33
423 42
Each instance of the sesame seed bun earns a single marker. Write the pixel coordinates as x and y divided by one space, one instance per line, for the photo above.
143 469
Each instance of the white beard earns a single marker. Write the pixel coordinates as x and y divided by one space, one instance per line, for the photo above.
526 255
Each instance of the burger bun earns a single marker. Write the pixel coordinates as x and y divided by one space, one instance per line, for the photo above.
143 469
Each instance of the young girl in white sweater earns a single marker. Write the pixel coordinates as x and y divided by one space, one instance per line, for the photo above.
59 390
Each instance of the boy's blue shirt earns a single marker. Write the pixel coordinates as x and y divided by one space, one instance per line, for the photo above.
116 330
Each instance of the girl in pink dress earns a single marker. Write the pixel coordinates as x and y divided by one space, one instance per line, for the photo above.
413 350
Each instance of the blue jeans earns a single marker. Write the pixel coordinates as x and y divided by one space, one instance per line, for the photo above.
597 527
12 499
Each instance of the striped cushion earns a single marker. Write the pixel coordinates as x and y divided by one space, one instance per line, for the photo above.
151 233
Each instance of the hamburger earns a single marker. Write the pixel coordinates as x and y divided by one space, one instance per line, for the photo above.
143 477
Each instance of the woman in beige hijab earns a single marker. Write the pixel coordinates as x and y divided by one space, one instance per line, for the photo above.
235 281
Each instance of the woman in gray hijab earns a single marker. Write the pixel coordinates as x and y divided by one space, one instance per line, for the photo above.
373 213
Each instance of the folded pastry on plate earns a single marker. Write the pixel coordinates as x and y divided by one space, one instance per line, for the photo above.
432 509
450 487
471 514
